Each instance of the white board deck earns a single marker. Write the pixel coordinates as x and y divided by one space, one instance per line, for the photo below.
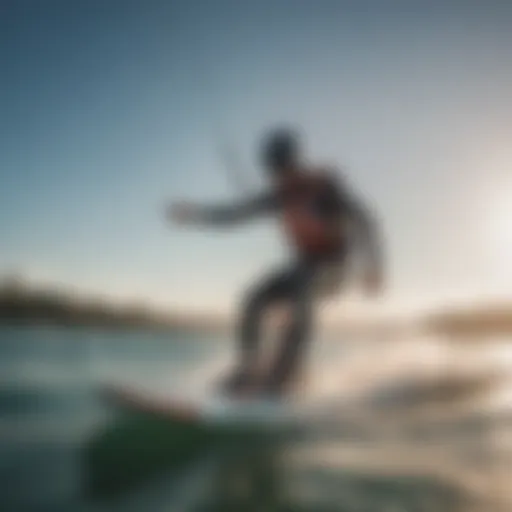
214 409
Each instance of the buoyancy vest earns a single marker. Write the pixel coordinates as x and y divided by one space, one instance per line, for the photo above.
309 226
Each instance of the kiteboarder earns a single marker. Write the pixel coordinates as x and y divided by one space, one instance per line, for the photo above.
323 220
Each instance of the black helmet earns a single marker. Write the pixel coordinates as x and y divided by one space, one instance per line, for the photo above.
280 148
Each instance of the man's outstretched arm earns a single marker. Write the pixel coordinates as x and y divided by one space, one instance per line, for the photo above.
226 214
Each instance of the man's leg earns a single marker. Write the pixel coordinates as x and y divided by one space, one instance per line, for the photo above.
307 284
259 298
297 334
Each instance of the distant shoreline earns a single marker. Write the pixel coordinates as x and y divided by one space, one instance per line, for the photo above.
37 323
21 305
27 306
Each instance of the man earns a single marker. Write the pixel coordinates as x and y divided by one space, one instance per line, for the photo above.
322 220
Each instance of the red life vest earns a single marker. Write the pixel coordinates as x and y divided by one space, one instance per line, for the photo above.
305 228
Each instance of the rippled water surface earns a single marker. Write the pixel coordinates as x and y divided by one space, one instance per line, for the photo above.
417 425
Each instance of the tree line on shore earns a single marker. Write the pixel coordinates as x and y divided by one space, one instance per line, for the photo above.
23 304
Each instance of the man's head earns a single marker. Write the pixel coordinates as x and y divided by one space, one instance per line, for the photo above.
280 151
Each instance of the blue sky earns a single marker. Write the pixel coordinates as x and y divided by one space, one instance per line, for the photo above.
109 109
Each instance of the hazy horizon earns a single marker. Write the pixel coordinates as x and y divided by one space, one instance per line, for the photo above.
112 108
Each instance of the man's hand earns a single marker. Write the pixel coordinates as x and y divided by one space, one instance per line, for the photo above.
183 213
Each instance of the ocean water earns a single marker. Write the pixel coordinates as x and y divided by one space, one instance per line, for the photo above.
419 424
